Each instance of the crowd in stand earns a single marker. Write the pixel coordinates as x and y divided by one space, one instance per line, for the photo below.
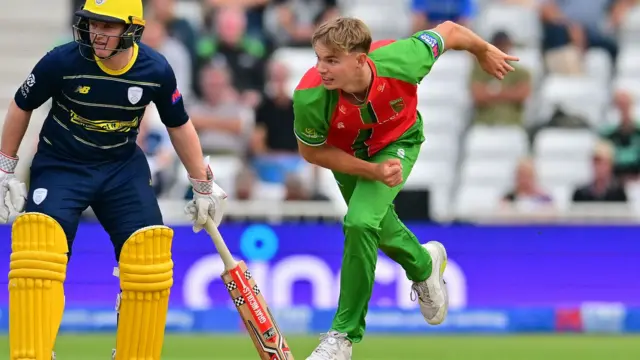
239 97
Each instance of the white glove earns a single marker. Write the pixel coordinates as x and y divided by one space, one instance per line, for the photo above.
209 201
13 193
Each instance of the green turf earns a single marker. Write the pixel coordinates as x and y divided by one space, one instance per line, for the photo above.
217 347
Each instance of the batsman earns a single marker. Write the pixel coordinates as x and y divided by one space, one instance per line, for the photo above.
99 86
356 114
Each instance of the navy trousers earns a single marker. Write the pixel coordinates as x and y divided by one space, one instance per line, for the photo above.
119 192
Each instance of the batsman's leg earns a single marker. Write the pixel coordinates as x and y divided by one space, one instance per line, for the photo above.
36 294
42 242
129 212
146 277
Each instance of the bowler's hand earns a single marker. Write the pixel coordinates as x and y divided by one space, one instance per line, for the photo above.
389 172
13 192
494 62
209 201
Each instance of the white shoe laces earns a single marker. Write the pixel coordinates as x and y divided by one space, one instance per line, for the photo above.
421 291
327 348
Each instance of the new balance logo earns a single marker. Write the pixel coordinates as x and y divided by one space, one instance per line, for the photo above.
83 89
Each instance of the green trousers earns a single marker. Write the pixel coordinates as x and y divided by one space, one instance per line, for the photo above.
371 223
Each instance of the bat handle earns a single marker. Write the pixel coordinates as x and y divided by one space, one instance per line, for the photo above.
227 259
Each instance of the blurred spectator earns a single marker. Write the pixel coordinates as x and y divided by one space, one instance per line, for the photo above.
528 3
164 11
155 35
291 22
604 187
254 9
527 195
274 116
245 184
154 140
298 190
224 124
500 102
571 25
429 13
243 55
274 146
625 138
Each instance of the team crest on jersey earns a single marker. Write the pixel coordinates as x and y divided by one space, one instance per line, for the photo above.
100 2
135 94
311 133
397 105
39 195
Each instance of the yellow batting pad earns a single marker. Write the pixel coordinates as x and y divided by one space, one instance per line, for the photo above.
146 277
36 295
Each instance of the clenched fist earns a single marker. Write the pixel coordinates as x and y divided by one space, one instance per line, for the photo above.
389 172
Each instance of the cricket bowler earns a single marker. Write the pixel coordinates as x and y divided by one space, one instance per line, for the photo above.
100 85
356 114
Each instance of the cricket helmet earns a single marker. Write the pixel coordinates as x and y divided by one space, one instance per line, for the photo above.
127 12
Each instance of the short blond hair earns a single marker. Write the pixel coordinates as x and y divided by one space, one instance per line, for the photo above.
344 35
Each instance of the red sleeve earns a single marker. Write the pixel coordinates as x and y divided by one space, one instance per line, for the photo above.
310 79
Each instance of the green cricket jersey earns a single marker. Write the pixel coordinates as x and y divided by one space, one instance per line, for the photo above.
324 116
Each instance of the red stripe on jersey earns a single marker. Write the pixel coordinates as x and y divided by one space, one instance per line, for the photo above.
380 43
310 79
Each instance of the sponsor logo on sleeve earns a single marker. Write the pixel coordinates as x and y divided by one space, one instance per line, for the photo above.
176 96
27 85
431 42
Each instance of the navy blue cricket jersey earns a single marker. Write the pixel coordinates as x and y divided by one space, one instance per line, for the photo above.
96 112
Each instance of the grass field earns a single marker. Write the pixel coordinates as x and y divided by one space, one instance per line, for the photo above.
219 347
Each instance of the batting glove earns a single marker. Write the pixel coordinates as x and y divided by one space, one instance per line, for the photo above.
13 192
209 201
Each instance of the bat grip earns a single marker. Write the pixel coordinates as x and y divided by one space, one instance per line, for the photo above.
218 241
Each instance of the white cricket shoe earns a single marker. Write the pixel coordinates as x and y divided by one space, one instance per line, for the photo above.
432 293
333 346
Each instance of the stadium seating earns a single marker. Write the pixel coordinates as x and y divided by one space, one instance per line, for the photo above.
520 22
22 46
630 30
563 158
570 93
599 66
496 143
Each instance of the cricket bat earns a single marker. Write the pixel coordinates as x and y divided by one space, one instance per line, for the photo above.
246 295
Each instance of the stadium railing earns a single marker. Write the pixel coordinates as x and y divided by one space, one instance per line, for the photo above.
274 212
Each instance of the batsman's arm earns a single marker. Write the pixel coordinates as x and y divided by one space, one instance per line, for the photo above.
38 87
15 126
186 142
182 133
